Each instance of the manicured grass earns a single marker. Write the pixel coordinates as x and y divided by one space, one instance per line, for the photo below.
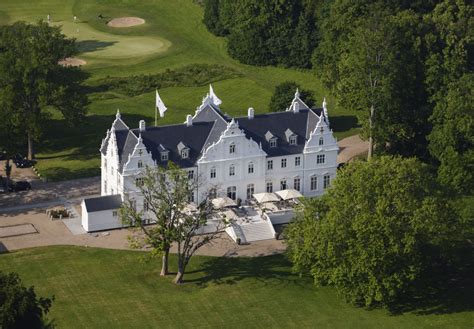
100 288
172 37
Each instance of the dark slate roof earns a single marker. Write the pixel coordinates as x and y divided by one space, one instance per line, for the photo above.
301 124
193 137
126 142
101 203
208 125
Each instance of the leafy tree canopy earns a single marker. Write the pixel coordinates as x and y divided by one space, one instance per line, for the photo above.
19 306
31 78
375 232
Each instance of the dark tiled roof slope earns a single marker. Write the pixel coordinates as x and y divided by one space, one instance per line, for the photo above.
101 203
192 137
301 124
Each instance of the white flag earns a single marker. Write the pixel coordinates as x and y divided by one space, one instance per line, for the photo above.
160 105
213 96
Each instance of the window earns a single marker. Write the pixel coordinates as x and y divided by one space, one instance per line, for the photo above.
140 164
139 181
269 164
293 139
164 156
232 148
269 187
191 174
232 170
273 142
250 168
191 197
185 153
314 183
283 184
326 181
297 161
213 173
297 184
283 163
232 192
146 207
212 193
140 152
250 191
114 213
320 158
321 141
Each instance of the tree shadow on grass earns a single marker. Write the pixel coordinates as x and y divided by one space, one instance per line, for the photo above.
441 291
93 45
274 270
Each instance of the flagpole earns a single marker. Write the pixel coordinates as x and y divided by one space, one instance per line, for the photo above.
156 109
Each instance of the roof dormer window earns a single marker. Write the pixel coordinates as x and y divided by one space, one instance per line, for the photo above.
273 142
185 153
164 156
183 150
293 139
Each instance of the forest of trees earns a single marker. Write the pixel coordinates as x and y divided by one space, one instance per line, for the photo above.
405 67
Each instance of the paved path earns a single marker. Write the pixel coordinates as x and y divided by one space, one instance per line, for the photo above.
55 232
50 192
351 147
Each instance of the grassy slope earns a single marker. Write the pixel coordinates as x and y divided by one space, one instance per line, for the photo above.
73 152
99 288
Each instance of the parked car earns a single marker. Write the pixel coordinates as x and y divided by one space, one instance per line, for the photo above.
19 186
21 162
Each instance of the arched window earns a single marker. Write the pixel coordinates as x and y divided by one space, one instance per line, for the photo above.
213 172
321 141
140 164
232 148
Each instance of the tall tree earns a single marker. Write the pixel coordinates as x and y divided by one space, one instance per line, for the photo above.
450 83
373 237
166 194
371 57
19 306
31 80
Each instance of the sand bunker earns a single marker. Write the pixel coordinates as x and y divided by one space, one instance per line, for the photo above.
72 61
125 21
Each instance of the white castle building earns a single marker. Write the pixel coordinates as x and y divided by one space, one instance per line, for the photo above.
234 157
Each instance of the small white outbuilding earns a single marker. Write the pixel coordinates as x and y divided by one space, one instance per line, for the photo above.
101 213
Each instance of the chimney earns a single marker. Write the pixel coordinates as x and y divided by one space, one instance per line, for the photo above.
189 120
142 125
296 107
251 113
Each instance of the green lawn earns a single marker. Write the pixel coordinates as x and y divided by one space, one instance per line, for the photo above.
100 288
172 37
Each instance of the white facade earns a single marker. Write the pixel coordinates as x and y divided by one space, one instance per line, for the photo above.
233 163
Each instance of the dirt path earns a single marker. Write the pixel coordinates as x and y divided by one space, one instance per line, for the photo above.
351 147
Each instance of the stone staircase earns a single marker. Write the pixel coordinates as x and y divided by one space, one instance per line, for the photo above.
257 231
